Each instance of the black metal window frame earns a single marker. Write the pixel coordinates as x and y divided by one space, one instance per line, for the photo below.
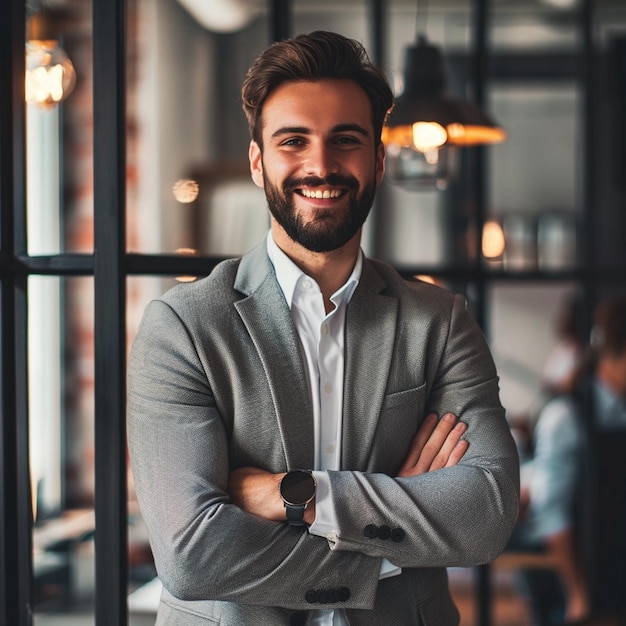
110 265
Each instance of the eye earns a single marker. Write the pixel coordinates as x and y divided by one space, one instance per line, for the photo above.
347 140
292 141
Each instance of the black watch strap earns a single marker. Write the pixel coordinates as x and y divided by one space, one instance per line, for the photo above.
295 514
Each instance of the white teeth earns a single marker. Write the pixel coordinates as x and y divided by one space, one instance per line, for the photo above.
318 193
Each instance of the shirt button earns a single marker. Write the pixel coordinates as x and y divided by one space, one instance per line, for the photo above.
330 449
328 388
324 329
306 283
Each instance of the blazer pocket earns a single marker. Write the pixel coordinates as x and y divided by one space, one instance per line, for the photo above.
401 415
408 397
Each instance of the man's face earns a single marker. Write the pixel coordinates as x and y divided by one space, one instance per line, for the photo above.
320 163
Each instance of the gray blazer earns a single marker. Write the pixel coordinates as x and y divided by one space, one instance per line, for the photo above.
217 381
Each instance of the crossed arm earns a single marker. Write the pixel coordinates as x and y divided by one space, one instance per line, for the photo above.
194 506
437 444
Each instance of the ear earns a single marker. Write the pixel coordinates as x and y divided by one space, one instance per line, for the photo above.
380 163
256 163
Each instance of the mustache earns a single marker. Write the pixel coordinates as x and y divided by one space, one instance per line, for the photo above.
332 180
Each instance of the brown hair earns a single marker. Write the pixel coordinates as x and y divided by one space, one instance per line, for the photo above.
610 326
311 57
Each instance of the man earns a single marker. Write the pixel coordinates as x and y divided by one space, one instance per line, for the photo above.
302 356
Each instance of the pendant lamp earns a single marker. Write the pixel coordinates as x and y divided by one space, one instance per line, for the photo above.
50 74
427 123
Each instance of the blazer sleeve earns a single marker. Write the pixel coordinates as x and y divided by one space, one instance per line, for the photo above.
458 516
204 547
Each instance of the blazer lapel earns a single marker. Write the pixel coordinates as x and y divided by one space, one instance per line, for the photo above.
370 332
268 320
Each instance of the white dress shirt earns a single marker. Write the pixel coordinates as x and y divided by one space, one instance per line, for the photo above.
322 338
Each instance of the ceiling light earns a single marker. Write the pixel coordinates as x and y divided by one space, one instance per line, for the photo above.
50 75
221 16
426 117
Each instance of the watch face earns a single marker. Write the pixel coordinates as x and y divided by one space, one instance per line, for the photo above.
297 487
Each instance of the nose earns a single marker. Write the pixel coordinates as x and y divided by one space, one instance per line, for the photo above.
321 160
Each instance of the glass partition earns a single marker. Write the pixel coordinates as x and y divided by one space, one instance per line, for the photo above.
553 203
59 147
61 418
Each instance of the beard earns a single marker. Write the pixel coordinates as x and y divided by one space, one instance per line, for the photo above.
331 228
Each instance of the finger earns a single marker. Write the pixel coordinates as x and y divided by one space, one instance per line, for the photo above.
457 453
448 447
417 445
436 443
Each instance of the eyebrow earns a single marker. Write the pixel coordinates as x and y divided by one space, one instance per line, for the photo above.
303 130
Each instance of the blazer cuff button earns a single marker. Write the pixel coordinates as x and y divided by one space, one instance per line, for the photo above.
311 596
397 535
370 531
384 532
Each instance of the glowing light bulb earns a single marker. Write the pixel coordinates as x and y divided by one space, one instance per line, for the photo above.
185 190
493 240
428 135
50 75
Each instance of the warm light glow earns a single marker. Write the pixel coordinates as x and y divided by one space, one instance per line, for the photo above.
424 136
50 75
185 190
428 135
462 135
493 240
399 136
186 252
425 278
431 156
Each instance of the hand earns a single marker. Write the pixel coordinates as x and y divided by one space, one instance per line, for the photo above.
256 491
437 444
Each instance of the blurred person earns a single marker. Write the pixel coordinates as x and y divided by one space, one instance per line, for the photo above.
608 342
605 489
282 410
564 363
549 484
587 407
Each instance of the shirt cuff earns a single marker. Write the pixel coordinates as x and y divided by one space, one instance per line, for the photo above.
388 569
325 523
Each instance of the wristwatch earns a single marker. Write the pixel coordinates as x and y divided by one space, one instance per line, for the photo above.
297 489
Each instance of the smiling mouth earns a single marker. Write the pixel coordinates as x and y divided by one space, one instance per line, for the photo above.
321 194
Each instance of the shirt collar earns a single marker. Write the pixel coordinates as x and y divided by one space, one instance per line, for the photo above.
288 273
